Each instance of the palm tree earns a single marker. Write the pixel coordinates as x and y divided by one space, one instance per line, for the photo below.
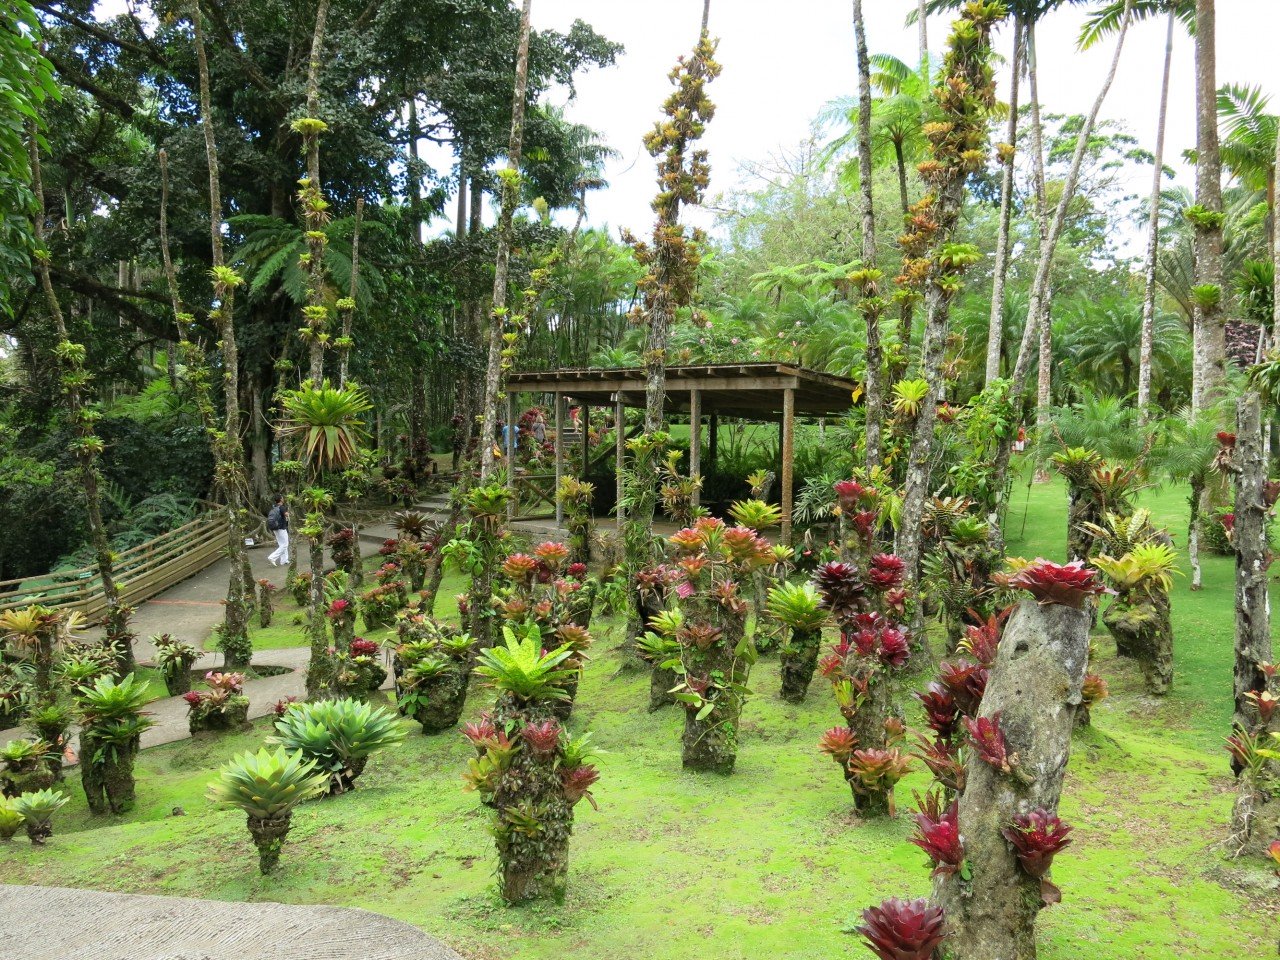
1103 23
1185 453
1251 151
1108 345
1208 375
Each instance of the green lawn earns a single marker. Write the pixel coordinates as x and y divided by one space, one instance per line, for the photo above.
767 863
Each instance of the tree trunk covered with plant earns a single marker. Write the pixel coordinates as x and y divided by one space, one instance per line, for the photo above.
509 183
1253 647
931 261
867 276
1139 620
798 608
528 771
1007 815
111 723
69 359
670 260
432 668
863 669
228 450
715 654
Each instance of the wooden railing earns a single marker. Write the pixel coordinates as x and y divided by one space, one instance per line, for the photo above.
141 572
535 495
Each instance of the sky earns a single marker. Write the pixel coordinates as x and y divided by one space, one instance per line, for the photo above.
783 61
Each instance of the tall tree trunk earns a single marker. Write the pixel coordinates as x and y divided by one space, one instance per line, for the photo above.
228 447
1275 250
1249 537
312 213
69 359
1040 285
1209 345
1008 153
1043 374
510 199
1153 238
875 355
922 24
349 312
967 118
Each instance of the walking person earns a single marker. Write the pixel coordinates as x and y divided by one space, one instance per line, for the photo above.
278 524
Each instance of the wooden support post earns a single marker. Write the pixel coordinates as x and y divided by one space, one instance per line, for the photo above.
695 442
620 429
584 424
713 436
559 423
788 456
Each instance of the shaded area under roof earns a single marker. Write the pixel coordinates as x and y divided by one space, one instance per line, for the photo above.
737 389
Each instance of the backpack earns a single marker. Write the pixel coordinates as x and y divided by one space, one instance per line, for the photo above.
275 519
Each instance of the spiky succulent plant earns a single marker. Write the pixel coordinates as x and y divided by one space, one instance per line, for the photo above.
522 669
339 735
798 606
268 785
37 809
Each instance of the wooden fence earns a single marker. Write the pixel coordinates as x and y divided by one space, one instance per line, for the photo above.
141 572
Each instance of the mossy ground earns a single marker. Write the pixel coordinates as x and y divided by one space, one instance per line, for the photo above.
770 862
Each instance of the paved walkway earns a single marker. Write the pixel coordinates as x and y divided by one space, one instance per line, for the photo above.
128 927
189 611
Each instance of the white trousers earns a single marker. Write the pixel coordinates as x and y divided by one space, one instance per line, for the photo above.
281 553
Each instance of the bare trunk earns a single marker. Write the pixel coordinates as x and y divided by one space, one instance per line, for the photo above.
995 328
1043 374
1153 238
1040 285
1209 345
922 23
874 357
510 199
228 448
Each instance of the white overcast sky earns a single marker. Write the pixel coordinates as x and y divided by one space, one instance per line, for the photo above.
783 61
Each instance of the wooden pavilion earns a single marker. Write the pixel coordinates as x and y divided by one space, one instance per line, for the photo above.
768 392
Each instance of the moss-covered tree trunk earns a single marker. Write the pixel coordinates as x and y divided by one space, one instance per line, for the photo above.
1033 693
269 837
868 726
106 773
1139 620
710 743
799 658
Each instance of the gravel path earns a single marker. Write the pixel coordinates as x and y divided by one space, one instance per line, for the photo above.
129 927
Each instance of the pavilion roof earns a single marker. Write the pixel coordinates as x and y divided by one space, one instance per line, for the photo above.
752 390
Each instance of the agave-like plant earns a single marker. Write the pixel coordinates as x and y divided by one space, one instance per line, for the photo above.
520 667
798 606
327 423
268 786
339 735
111 724
908 395
756 514
37 809
10 820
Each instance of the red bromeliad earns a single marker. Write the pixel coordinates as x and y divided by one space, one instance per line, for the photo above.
578 783
543 737
903 930
1036 837
987 740
885 571
938 835
940 710
838 743
1069 584
967 683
